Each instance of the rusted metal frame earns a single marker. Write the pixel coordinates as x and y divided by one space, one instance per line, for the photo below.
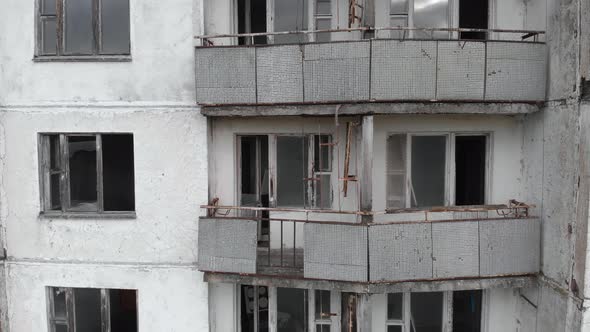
270 209
365 29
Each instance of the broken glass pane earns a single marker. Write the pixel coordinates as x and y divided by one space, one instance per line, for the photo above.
292 165
83 173
115 26
79 36
428 171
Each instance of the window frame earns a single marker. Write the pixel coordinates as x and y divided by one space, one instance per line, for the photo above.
405 322
61 53
45 172
450 169
70 298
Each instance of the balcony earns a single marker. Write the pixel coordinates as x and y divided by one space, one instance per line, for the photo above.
453 243
376 70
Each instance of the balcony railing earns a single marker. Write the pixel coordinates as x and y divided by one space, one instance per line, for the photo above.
451 243
414 65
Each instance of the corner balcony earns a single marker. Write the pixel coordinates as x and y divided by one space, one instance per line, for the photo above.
467 243
376 70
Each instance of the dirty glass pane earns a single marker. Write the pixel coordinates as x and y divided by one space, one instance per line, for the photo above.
115 26
398 7
322 328
396 171
322 153
292 164
395 303
394 328
49 36
428 171
323 7
323 24
55 191
87 305
322 304
290 15
59 303
426 312
83 174
61 328
323 191
48 7
291 310
79 36
431 14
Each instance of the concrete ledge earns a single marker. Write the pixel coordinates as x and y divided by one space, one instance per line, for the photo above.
377 108
523 281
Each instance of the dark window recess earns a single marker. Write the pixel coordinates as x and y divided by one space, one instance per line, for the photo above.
473 14
467 311
252 19
254 308
83 28
118 177
426 312
292 306
470 166
91 310
428 171
87 173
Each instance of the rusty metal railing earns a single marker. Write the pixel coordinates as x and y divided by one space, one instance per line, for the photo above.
377 33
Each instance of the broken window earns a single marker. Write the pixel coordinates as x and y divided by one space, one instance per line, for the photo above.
291 310
417 170
287 16
420 312
303 181
91 310
87 173
467 311
254 308
473 14
470 170
83 27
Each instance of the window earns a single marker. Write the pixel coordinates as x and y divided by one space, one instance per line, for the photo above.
287 15
291 309
301 180
254 308
473 15
87 173
398 16
91 310
467 311
419 14
416 312
73 28
323 314
418 167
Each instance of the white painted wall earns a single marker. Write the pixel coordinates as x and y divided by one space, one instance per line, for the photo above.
155 253
161 69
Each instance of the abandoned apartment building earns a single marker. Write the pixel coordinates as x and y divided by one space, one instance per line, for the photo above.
294 165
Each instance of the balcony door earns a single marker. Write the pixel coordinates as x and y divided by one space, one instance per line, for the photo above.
260 16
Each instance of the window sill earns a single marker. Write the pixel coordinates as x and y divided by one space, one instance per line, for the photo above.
83 58
87 215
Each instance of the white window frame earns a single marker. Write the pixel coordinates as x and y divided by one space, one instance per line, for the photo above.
450 174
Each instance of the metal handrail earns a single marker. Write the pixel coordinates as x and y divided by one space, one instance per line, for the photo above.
526 33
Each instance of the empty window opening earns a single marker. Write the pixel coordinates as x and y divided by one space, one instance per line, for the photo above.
87 173
254 308
254 177
426 312
252 19
428 171
88 28
292 164
473 14
467 311
470 167
291 310
92 310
